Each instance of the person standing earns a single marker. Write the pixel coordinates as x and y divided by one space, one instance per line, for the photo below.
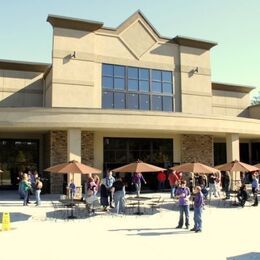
242 195
198 207
173 180
137 181
255 187
183 194
72 189
38 189
161 178
26 188
108 182
227 184
119 195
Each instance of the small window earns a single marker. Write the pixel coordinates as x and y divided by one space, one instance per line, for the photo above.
167 88
108 82
119 71
144 74
144 85
133 84
156 87
119 100
167 104
156 75
167 76
107 70
132 101
132 73
119 83
107 99
144 102
157 103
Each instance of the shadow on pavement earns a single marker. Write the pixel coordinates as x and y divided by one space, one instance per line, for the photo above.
247 256
17 216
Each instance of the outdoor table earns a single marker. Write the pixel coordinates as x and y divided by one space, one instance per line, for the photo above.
70 203
139 199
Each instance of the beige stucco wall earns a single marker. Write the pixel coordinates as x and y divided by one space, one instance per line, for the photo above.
47 96
196 92
76 81
230 103
21 88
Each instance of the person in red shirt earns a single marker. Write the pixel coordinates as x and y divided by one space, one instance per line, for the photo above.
161 178
174 178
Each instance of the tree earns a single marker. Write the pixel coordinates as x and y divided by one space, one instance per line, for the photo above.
256 99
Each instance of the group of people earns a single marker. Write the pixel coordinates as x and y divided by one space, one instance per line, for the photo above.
112 190
30 183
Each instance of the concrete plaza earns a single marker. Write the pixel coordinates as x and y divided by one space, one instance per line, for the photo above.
228 233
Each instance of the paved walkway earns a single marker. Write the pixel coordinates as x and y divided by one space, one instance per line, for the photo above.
227 232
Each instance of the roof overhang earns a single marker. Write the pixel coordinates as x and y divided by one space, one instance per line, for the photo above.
24 66
125 121
231 87
73 23
194 43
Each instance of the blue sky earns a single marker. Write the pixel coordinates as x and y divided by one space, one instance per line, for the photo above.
233 24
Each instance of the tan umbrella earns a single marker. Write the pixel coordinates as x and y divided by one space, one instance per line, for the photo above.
257 166
236 166
138 166
195 168
72 167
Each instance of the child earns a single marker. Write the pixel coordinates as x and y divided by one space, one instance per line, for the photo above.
198 207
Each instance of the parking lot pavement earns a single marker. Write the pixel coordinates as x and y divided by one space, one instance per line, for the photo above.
227 232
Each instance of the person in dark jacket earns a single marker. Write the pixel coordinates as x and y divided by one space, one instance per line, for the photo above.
242 195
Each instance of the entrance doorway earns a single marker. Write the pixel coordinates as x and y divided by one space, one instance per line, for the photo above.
17 155
121 151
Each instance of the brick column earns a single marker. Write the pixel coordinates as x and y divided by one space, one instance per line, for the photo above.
197 148
58 154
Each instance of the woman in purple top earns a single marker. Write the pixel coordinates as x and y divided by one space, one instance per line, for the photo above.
137 181
198 207
183 194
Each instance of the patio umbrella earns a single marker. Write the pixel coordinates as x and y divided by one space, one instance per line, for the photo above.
236 166
257 166
138 166
72 167
195 167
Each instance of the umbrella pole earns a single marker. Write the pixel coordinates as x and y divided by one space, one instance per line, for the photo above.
72 202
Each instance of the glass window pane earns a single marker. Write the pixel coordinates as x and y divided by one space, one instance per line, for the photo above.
143 74
167 103
107 82
167 76
119 100
144 85
167 88
132 101
107 70
157 103
107 99
156 87
132 73
119 71
133 84
156 75
144 102
119 83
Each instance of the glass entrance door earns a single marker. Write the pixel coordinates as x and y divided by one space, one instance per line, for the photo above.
17 155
